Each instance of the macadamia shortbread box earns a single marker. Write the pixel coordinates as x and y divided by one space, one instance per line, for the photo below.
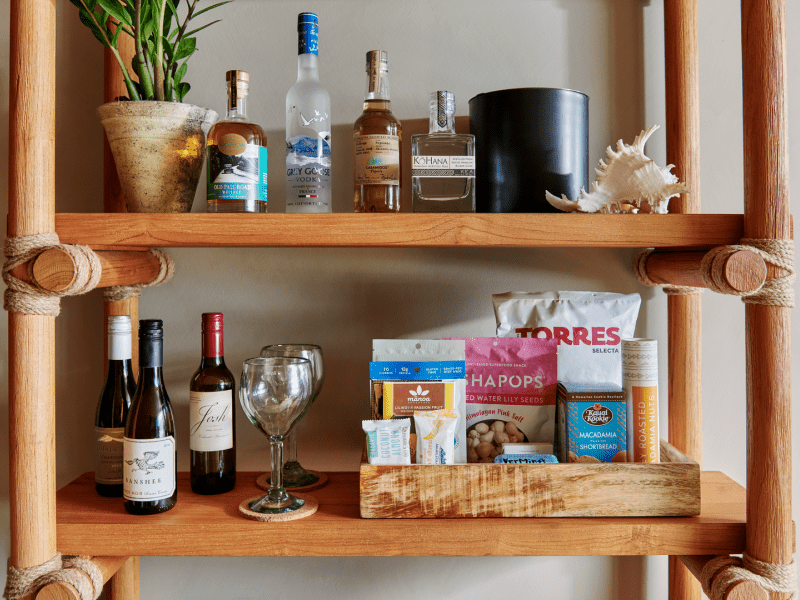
591 423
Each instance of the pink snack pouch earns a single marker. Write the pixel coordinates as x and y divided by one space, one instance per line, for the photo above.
511 393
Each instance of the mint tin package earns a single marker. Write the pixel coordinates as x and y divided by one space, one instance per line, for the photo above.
591 423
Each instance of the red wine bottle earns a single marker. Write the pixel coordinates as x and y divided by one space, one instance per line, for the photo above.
149 485
112 409
212 432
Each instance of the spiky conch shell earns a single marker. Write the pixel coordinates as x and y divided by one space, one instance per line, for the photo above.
629 182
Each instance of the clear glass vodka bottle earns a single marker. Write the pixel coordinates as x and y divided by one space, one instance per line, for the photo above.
308 128
443 162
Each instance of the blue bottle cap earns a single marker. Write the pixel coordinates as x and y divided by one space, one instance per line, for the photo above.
308 33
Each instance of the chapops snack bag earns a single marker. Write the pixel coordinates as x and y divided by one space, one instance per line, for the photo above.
511 393
588 326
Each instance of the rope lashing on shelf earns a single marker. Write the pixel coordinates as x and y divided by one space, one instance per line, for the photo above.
166 270
722 572
31 298
78 571
776 291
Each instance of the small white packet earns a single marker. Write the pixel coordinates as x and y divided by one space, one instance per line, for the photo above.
388 441
436 436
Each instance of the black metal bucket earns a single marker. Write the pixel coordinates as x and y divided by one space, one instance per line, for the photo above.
528 141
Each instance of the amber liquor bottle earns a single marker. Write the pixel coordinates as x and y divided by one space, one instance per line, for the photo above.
377 138
236 155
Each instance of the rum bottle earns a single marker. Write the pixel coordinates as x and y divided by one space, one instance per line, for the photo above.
236 155
443 162
377 143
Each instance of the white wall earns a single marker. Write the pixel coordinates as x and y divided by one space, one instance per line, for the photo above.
343 298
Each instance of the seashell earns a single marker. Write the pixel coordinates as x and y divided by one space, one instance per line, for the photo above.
628 183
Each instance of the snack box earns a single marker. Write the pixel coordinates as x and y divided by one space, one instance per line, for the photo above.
590 422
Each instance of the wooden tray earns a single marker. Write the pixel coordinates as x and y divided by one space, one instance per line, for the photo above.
669 488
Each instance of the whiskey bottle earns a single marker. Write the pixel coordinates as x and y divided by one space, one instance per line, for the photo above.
377 142
237 155
308 128
443 162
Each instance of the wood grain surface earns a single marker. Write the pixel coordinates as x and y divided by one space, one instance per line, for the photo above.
135 231
212 526
669 488
770 535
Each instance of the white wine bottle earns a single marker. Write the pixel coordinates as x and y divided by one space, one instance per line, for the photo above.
112 409
149 485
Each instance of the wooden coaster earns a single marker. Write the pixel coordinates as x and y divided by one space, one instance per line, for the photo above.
262 482
308 509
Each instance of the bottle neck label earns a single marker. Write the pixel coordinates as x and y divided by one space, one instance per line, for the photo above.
151 353
211 421
119 346
308 39
149 469
213 346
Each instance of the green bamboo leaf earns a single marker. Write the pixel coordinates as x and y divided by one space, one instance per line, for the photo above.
77 3
88 20
116 35
193 31
116 10
180 73
181 90
185 48
169 50
207 8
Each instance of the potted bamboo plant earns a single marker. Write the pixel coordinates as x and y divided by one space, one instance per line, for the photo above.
158 142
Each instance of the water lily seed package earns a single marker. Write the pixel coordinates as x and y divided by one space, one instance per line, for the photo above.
511 393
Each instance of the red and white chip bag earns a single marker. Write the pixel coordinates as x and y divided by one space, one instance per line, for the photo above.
588 326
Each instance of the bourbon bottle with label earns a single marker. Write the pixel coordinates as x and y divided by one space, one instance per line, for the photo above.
236 155
377 142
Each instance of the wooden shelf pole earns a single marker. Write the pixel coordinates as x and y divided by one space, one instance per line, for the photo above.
743 270
31 357
124 585
684 314
766 208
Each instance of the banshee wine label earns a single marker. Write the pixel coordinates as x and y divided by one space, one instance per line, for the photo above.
149 467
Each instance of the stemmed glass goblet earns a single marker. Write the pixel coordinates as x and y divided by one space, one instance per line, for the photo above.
294 474
274 392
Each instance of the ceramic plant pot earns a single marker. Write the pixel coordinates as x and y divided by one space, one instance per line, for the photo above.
158 148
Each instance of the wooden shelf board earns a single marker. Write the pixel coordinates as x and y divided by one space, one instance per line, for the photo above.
211 526
135 231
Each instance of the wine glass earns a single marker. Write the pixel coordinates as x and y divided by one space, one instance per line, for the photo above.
274 393
294 475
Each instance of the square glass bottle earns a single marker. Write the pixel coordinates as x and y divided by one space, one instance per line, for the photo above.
443 162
